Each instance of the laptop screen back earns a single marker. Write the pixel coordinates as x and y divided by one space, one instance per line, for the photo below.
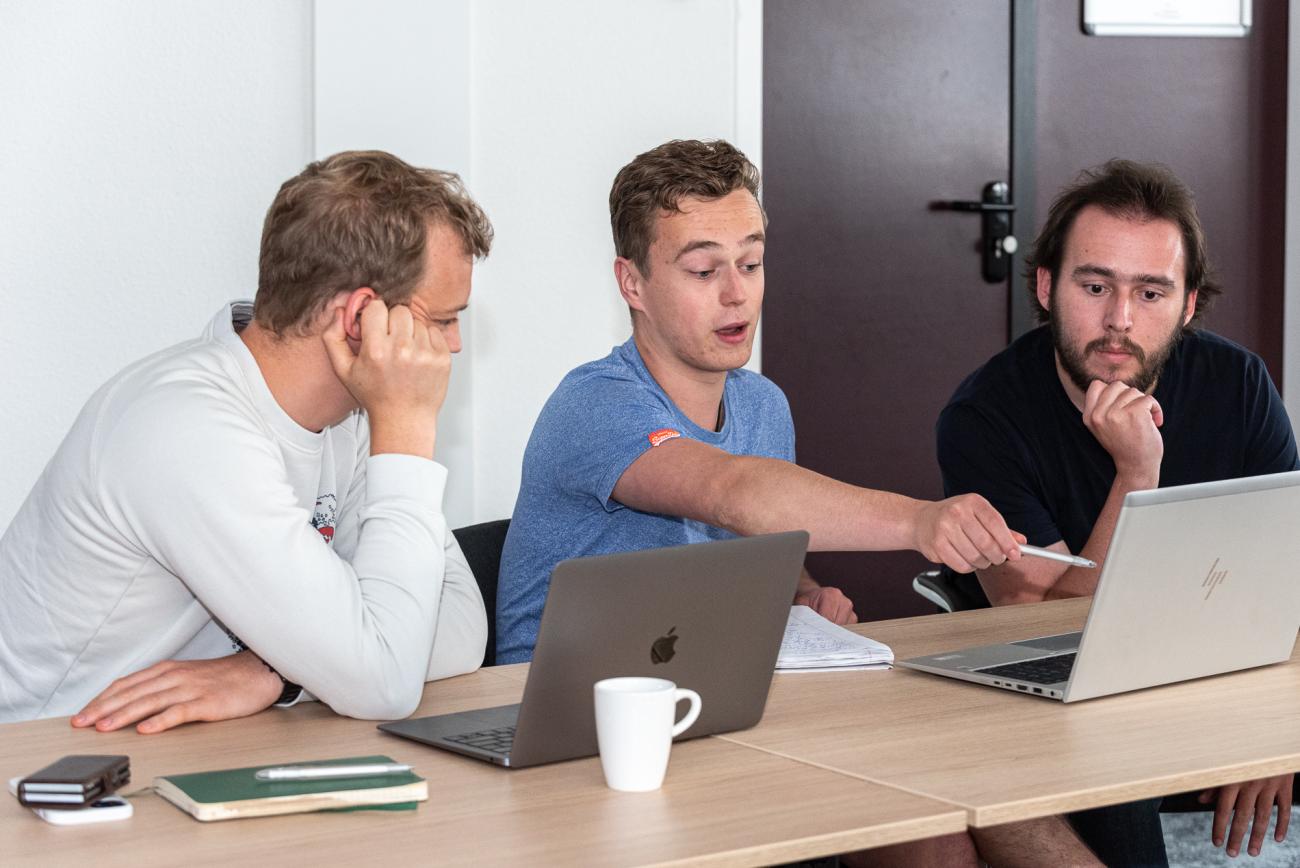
708 616
1200 579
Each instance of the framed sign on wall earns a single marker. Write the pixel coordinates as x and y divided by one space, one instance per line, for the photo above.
1166 17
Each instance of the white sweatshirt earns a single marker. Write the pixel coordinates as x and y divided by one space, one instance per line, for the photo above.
184 499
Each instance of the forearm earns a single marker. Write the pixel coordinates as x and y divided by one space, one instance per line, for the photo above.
1082 582
403 435
371 659
460 636
355 632
765 495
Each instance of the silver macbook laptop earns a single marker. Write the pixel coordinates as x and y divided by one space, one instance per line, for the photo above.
708 616
1199 580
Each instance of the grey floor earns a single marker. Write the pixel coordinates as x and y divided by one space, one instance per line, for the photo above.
1187 838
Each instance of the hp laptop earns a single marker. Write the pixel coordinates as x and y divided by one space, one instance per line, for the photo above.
708 616
1199 580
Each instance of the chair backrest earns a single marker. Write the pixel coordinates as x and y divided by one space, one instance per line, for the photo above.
482 545
950 591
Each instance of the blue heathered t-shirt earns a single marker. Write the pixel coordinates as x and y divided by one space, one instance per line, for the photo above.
599 420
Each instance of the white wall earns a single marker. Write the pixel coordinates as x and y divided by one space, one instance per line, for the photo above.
142 141
140 144
564 95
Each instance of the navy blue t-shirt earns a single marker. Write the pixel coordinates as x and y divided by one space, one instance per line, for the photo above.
602 417
1011 434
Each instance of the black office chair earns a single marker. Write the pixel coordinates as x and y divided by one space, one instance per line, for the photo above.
482 545
949 591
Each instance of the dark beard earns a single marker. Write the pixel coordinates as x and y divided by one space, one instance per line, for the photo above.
1073 361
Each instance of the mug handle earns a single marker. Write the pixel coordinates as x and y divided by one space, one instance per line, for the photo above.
694 712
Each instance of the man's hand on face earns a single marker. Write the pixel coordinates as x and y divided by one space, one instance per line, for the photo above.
398 374
1242 803
1126 423
830 603
966 533
173 692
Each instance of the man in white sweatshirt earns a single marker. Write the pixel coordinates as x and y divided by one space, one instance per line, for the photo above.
259 508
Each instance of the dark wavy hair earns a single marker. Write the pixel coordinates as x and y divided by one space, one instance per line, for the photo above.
1124 188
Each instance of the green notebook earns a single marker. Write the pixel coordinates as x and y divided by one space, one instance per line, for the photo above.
231 793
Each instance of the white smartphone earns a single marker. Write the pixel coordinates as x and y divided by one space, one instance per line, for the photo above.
102 810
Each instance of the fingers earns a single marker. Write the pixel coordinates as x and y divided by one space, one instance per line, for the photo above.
1259 828
1157 414
152 698
1092 396
838 608
172 716
402 331
374 322
145 707
976 533
1223 813
830 603
1002 542
337 348
119 693
1243 810
946 554
1106 400
1284 796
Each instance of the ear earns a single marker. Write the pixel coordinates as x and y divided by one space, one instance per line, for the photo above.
1189 306
1043 287
631 284
353 303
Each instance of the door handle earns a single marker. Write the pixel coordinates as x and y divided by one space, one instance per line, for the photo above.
997 244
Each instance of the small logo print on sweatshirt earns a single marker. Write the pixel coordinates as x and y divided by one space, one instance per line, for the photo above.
324 516
657 437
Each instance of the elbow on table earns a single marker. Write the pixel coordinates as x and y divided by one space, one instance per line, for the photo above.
461 656
380 701
469 658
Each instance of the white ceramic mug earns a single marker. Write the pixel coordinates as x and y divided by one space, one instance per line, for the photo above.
635 729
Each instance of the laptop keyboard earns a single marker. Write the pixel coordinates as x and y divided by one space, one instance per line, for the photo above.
492 740
1048 670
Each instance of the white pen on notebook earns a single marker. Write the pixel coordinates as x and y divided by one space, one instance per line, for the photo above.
1036 552
324 773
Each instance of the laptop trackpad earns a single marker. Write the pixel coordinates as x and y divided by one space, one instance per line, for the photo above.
1063 642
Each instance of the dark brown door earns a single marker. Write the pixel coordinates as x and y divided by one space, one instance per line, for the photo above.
875 306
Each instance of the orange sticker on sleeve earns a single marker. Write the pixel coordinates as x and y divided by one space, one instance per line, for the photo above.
657 437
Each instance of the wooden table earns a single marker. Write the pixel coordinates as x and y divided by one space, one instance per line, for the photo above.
722 803
1005 756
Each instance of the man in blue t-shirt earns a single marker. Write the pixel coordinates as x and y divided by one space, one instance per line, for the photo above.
667 441
1116 393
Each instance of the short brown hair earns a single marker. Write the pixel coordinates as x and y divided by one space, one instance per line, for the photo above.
358 218
658 180
1124 188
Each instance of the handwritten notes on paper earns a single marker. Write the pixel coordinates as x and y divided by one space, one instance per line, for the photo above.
814 644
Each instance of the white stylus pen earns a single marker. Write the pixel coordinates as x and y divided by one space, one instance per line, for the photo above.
321 773
1036 552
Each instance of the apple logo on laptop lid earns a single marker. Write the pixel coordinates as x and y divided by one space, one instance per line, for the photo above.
662 650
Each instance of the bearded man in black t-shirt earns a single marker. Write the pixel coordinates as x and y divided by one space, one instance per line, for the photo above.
1118 392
